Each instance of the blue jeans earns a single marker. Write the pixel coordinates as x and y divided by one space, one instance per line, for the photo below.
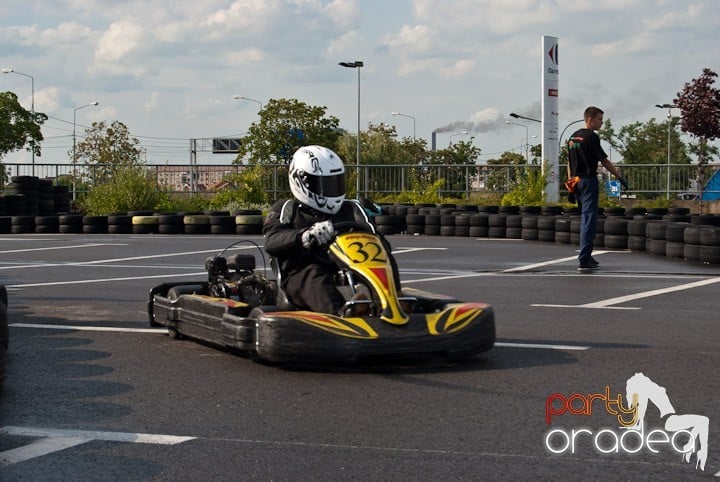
588 192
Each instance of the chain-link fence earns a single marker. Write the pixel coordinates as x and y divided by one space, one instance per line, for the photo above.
460 181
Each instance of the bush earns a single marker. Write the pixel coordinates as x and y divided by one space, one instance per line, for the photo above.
529 189
132 188
244 188
180 202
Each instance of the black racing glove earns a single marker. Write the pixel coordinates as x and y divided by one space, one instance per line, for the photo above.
624 183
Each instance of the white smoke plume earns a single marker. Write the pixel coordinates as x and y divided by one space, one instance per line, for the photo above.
489 119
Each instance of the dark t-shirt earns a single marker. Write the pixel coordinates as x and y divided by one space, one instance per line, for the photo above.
592 153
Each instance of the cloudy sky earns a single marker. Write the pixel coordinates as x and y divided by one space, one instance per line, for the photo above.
169 69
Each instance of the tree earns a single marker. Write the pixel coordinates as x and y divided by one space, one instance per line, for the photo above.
647 143
285 125
106 149
502 180
379 146
18 127
699 103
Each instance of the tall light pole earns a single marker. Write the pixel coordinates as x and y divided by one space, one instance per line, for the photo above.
518 116
527 137
669 107
566 128
32 105
411 117
356 65
460 133
74 159
239 97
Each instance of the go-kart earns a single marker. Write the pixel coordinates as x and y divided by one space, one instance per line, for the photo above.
239 307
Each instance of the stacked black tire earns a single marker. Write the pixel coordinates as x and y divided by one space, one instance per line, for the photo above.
248 221
4 334
26 190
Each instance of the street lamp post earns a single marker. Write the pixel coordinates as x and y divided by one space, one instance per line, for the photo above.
74 159
566 128
356 65
411 117
518 116
240 97
32 105
527 137
461 133
669 107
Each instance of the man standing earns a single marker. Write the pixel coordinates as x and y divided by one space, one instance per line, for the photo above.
585 155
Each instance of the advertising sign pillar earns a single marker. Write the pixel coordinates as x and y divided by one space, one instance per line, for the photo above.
550 118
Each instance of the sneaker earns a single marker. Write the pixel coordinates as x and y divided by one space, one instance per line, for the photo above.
588 266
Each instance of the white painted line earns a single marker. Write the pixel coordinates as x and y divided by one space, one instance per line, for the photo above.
547 263
543 346
440 278
410 250
141 438
164 331
55 440
38 449
50 248
608 303
648 294
548 305
103 280
88 328
132 258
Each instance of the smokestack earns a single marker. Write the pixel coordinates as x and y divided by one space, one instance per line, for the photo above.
434 140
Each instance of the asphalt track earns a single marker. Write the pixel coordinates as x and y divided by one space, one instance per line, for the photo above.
94 394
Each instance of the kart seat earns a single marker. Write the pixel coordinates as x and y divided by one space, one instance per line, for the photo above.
281 300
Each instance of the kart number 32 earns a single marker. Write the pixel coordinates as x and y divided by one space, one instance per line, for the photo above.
369 251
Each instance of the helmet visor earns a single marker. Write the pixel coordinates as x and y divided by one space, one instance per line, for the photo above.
326 186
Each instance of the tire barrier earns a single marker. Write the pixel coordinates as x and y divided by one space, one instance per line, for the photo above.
248 223
94 225
120 224
22 224
144 224
673 233
222 224
196 224
70 223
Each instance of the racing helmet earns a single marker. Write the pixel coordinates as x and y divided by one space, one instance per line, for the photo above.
317 178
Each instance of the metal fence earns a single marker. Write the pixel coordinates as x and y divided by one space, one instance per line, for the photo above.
460 181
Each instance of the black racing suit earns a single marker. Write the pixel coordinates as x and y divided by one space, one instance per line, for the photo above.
307 275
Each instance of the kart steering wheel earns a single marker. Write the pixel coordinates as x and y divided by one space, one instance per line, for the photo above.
348 226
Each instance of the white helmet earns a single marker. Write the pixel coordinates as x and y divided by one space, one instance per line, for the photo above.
317 178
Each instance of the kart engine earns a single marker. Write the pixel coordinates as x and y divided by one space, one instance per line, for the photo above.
234 278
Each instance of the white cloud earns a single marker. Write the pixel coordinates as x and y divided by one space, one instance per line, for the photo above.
243 14
67 33
244 56
47 99
459 68
417 38
152 102
342 12
116 45
344 45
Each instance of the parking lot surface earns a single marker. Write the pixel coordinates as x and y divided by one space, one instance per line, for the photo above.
93 392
